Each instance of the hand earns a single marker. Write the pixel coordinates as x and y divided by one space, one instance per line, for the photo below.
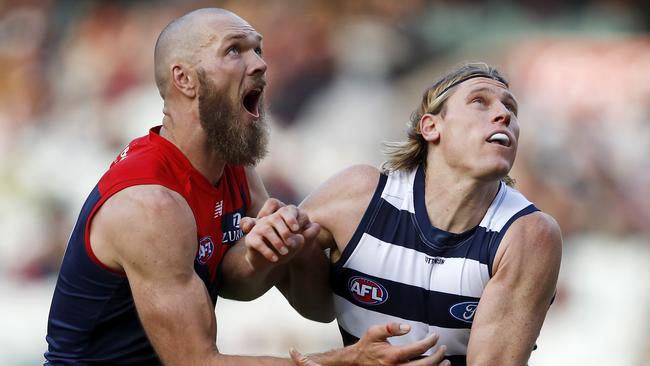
373 348
278 232
270 206
301 360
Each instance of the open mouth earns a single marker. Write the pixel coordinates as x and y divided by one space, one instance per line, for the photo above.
251 102
500 139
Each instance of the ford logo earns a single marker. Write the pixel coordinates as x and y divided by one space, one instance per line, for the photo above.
464 311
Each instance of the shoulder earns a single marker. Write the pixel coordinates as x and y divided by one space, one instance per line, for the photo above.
140 220
539 228
141 163
350 182
148 199
153 208
353 186
339 204
531 239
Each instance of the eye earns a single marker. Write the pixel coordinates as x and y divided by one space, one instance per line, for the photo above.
233 50
511 107
258 50
479 100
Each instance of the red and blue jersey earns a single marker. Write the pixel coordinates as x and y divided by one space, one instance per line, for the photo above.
93 319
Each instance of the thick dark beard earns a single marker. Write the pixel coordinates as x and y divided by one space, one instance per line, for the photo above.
235 143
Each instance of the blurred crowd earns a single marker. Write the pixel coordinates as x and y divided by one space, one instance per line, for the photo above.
77 84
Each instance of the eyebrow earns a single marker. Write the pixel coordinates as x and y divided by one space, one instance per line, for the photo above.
243 36
490 90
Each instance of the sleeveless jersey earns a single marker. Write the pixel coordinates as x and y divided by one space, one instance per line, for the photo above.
399 268
92 318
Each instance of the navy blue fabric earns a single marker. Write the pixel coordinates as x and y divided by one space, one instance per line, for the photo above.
366 221
414 231
397 227
104 325
348 338
406 301
496 240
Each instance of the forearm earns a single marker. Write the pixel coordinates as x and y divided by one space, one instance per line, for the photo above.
232 360
490 347
306 285
243 282
340 356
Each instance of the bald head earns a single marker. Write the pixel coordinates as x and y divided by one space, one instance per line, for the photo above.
182 38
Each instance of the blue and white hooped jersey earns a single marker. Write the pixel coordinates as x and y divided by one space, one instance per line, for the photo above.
399 268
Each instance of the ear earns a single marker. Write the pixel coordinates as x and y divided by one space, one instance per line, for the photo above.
183 80
429 125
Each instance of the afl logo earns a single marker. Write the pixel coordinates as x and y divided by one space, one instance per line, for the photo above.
206 248
367 291
464 311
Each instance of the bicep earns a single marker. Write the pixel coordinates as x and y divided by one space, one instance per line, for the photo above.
339 204
515 300
155 244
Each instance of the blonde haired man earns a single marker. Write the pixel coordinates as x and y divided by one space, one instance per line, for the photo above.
439 240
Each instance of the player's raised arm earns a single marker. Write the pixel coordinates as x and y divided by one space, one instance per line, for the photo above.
149 232
274 234
514 303
337 206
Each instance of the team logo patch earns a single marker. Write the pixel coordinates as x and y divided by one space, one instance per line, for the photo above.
206 248
464 311
367 291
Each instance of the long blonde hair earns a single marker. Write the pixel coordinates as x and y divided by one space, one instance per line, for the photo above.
407 155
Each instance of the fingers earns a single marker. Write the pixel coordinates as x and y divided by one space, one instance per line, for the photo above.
311 232
282 230
270 206
275 231
416 349
435 359
382 332
293 218
257 243
300 359
246 224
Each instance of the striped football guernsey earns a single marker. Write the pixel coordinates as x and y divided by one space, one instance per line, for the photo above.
399 268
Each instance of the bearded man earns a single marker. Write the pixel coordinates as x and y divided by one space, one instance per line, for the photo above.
150 251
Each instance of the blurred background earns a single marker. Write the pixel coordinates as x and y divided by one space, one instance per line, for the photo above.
76 85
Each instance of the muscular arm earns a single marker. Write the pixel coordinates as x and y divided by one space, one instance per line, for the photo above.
514 303
302 275
240 280
279 231
149 233
258 262
337 206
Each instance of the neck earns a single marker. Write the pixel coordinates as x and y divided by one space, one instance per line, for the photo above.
188 136
456 204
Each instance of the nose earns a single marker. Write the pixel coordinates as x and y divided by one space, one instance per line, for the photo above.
257 66
503 115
